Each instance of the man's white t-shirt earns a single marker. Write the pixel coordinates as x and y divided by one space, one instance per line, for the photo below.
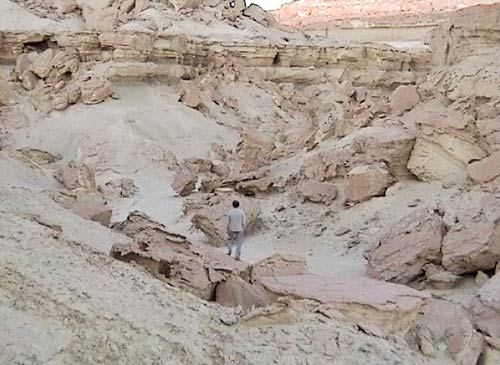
237 220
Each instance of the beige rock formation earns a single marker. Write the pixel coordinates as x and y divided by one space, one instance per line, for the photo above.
485 170
172 258
485 308
84 197
407 247
95 91
365 182
404 98
237 292
391 307
279 265
184 182
318 192
446 143
439 278
473 243
448 323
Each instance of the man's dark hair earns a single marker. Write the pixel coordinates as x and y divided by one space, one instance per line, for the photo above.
236 204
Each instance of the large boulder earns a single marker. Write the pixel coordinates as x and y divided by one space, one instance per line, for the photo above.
253 152
391 307
172 258
279 265
370 145
408 246
184 182
485 170
209 214
446 142
318 192
473 241
256 13
95 91
366 181
84 198
485 308
237 292
445 327
404 98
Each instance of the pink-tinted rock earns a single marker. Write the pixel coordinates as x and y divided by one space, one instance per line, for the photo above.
172 258
391 307
404 98
318 192
365 182
408 246
486 169
236 291
449 323
473 243
485 308
95 91
184 182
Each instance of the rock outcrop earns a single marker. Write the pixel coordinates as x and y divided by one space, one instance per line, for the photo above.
83 197
442 322
391 307
184 182
412 243
473 242
485 308
279 265
366 181
318 192
173 259
237 292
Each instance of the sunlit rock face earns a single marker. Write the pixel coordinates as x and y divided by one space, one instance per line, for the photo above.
308 12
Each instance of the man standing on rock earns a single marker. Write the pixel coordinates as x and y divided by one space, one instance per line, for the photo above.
235 227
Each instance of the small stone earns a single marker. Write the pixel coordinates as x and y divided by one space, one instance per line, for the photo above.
342 231
481 278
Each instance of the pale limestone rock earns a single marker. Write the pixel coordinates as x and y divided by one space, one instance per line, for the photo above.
473 243
318 192
184 182
404 98
42 65
29 80
446 143
449 323
485 308
439 278
391 307
259 15
407 247
486 169
279 265
481 278
191 95
95 91
237 292
365 182
172 258
101 20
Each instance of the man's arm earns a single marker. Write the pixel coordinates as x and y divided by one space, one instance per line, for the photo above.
243 220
